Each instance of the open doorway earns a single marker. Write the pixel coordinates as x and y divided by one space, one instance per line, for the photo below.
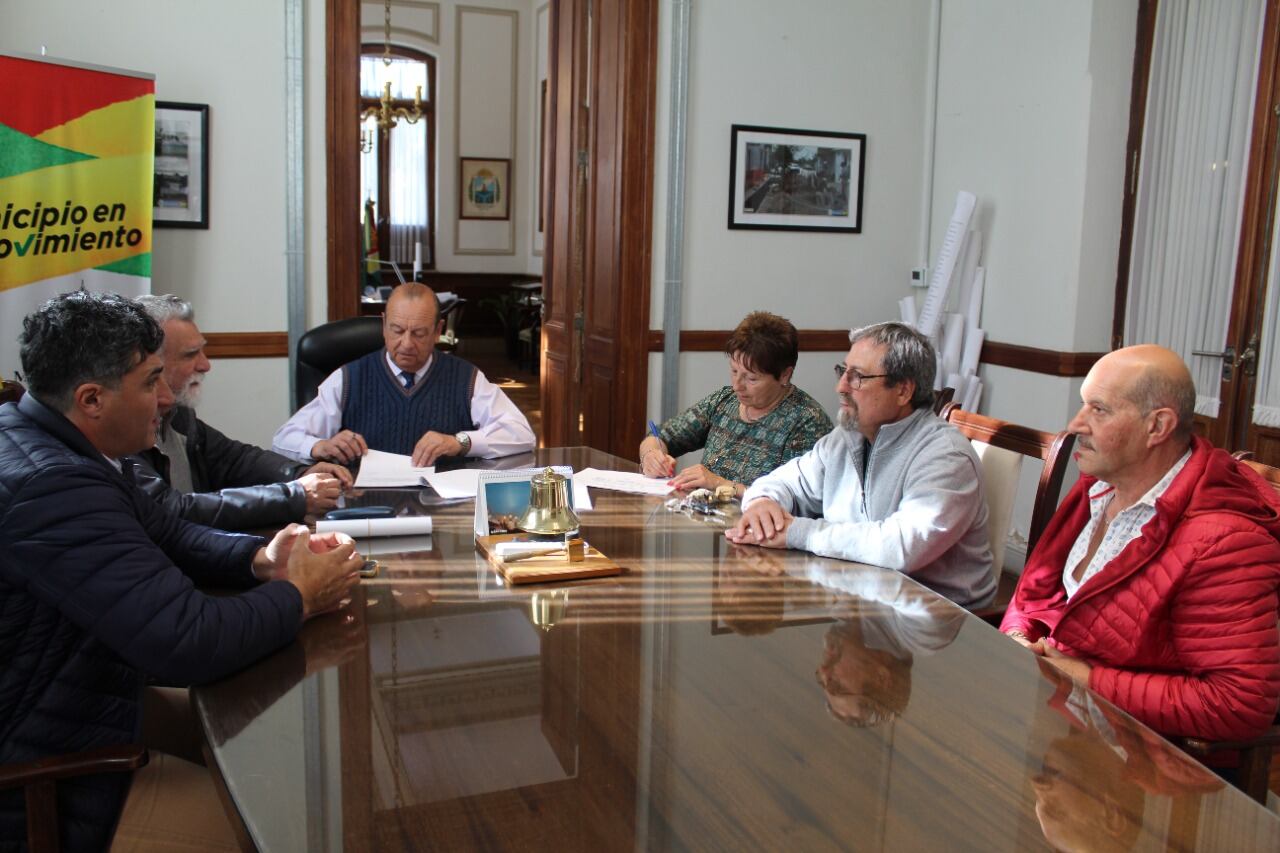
555 98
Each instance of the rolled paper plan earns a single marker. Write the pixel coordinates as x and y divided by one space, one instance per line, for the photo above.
365 528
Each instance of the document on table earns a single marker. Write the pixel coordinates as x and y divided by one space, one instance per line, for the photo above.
460 483
620 481
463 482
380 470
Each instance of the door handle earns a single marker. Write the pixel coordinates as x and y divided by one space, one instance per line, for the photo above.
1248 358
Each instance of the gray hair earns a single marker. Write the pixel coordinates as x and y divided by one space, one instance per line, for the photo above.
908 355
167 307
1154 389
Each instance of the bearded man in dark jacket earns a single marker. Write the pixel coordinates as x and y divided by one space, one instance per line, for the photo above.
203 475
91 601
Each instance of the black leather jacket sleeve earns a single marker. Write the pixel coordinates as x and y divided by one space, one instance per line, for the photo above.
219 462
244 508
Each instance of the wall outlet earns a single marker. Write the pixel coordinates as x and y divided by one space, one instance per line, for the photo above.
920 277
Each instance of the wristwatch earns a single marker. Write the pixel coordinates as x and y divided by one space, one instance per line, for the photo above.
465 441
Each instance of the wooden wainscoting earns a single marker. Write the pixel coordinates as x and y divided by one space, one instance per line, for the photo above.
1048 362
247 344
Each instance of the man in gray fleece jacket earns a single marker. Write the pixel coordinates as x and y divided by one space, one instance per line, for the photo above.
892 485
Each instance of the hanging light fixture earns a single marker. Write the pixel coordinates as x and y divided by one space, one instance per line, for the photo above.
386 114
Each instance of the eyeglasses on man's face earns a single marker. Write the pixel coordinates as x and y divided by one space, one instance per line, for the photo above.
853 377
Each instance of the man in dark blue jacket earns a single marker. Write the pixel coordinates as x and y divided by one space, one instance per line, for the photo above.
91 601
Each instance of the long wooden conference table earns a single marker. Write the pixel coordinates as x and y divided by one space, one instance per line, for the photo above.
712 697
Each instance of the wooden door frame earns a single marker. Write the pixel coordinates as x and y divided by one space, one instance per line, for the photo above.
342 161
1255 242
572 207
1253 252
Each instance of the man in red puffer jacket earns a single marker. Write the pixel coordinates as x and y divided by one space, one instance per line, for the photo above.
1156 582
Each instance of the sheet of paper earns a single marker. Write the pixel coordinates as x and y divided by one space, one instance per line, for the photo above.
380 470
952 345
965 269
454 484
973 308
972 351
620 481
363 528
935 302
973 395
907 310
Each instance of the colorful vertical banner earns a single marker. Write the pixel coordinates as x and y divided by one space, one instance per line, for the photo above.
76 168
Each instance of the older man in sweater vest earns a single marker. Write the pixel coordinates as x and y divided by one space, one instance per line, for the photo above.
407 399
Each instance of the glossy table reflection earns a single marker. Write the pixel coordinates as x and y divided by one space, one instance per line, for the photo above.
712 697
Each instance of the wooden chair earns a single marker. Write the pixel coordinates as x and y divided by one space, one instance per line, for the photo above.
39 778
1266 472
1001 446
1255 754
942 399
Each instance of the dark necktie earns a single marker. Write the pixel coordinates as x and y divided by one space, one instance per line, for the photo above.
407 378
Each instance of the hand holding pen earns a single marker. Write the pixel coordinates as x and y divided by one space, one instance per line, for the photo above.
654 459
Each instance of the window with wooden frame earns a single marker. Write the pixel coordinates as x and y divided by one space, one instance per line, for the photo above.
397 167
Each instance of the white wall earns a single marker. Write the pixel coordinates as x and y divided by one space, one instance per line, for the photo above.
841 65
234 271
1033 113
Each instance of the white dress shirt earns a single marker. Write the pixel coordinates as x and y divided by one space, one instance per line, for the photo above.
502 428
1125 527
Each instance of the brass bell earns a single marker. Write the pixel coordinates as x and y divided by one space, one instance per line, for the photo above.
547 607
550 512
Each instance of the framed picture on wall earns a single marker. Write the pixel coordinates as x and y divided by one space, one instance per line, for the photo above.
796 180
180 193
485 186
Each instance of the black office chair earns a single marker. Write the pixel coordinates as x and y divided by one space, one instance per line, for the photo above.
451 314
326 348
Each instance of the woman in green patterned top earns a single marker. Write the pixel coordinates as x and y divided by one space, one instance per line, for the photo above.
752 425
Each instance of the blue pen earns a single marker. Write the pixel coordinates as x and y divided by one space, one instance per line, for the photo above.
653 431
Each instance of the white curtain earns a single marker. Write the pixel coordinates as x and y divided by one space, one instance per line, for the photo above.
408 189
1190 192
404 74
1266 403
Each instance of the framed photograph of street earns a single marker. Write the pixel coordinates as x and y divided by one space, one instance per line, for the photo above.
796 180
180 192
485 189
